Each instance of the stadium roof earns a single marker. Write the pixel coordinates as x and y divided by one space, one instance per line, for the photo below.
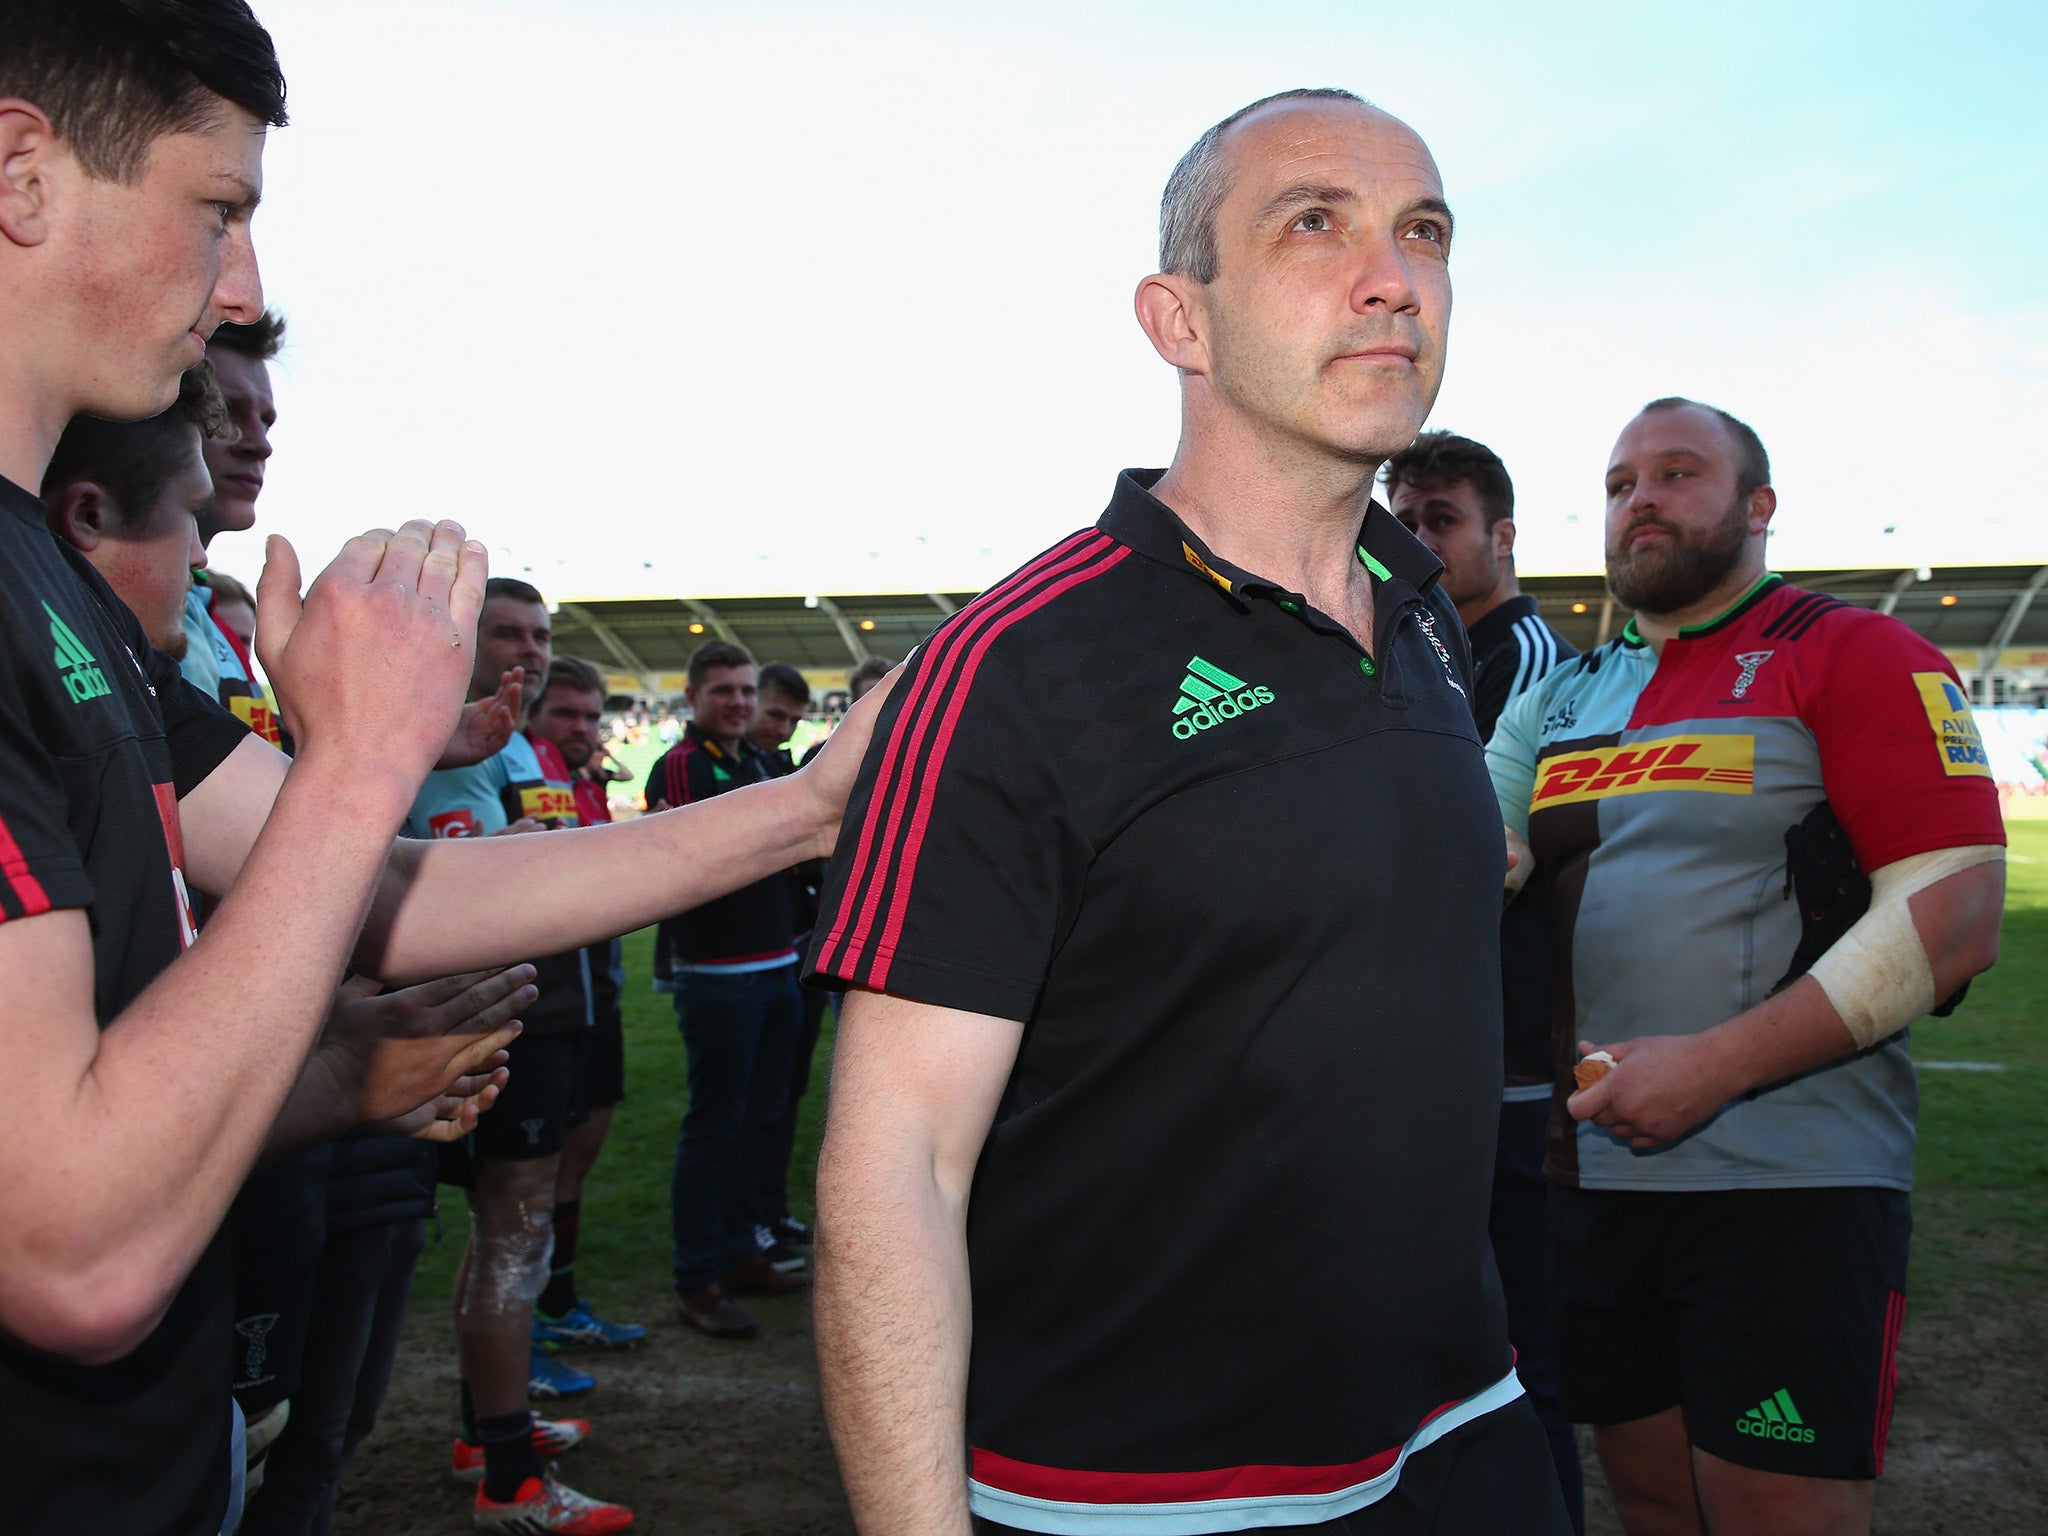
1986 616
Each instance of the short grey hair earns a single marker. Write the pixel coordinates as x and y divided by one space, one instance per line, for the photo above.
1198 185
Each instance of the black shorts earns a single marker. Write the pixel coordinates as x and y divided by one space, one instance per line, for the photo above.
1770 1316
604 1066
538 1105
1492 1477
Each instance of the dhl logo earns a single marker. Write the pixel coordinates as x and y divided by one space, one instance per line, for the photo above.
543 802
1717 765
259 717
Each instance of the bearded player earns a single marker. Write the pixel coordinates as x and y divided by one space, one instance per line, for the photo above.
1771 842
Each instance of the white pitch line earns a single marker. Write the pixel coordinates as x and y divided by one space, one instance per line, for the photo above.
1960 1066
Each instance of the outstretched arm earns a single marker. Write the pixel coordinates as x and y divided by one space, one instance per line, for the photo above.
914 1090
464 903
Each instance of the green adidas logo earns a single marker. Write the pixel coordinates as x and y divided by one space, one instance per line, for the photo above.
1775 1419
1209 695
79 668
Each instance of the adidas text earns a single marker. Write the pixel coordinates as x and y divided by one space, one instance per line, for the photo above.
1794 1432
1775 1418
1225 707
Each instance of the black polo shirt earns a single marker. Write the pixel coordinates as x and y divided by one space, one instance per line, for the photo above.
1241 884
99 737
753 928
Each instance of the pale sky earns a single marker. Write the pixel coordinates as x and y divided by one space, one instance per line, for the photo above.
664 298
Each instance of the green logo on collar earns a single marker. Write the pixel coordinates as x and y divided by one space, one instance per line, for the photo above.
79 668
1209 696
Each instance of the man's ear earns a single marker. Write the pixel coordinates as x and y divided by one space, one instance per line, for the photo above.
1504 540
81 515
1763 501
1170 310
28 144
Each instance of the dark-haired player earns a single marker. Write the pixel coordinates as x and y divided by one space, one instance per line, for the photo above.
1455 496
127 495
517 1151
568 714
1772 842
217 659
131 138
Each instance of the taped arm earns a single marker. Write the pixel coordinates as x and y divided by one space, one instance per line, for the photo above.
1932 925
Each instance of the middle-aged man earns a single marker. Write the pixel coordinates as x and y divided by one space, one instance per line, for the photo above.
131 141
1772 842
1456 496
1169 912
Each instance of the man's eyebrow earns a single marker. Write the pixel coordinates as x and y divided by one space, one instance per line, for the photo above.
1305 194
1431 205
251 194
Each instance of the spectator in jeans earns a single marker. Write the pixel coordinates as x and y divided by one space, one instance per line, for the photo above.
739 1011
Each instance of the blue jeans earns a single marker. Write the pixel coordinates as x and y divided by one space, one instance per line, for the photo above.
775 1175
741 1034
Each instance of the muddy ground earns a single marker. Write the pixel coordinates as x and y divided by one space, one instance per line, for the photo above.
725 1439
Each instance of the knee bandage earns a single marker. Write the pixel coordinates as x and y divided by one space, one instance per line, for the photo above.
508 1266
1877 974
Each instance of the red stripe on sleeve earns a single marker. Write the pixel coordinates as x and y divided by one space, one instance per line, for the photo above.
885 951
885 804
28 890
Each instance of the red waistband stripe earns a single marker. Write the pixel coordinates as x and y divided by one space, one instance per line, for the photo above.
1098 1503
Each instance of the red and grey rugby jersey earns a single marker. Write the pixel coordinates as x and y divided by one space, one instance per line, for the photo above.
1657 792
526 778
1240 882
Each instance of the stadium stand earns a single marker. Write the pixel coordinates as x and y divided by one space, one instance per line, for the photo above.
1985 617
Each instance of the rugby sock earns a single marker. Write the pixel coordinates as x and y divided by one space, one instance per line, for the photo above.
509 1456
559 1298
470 1433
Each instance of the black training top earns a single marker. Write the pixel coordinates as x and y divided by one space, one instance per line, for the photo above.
1511 648
99 737
1241 883
753 928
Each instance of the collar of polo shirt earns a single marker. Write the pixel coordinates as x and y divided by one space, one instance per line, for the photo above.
1148 525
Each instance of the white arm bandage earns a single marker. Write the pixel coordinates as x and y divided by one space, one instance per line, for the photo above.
1877 974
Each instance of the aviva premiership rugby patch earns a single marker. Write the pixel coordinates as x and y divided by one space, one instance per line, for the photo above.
1955 729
